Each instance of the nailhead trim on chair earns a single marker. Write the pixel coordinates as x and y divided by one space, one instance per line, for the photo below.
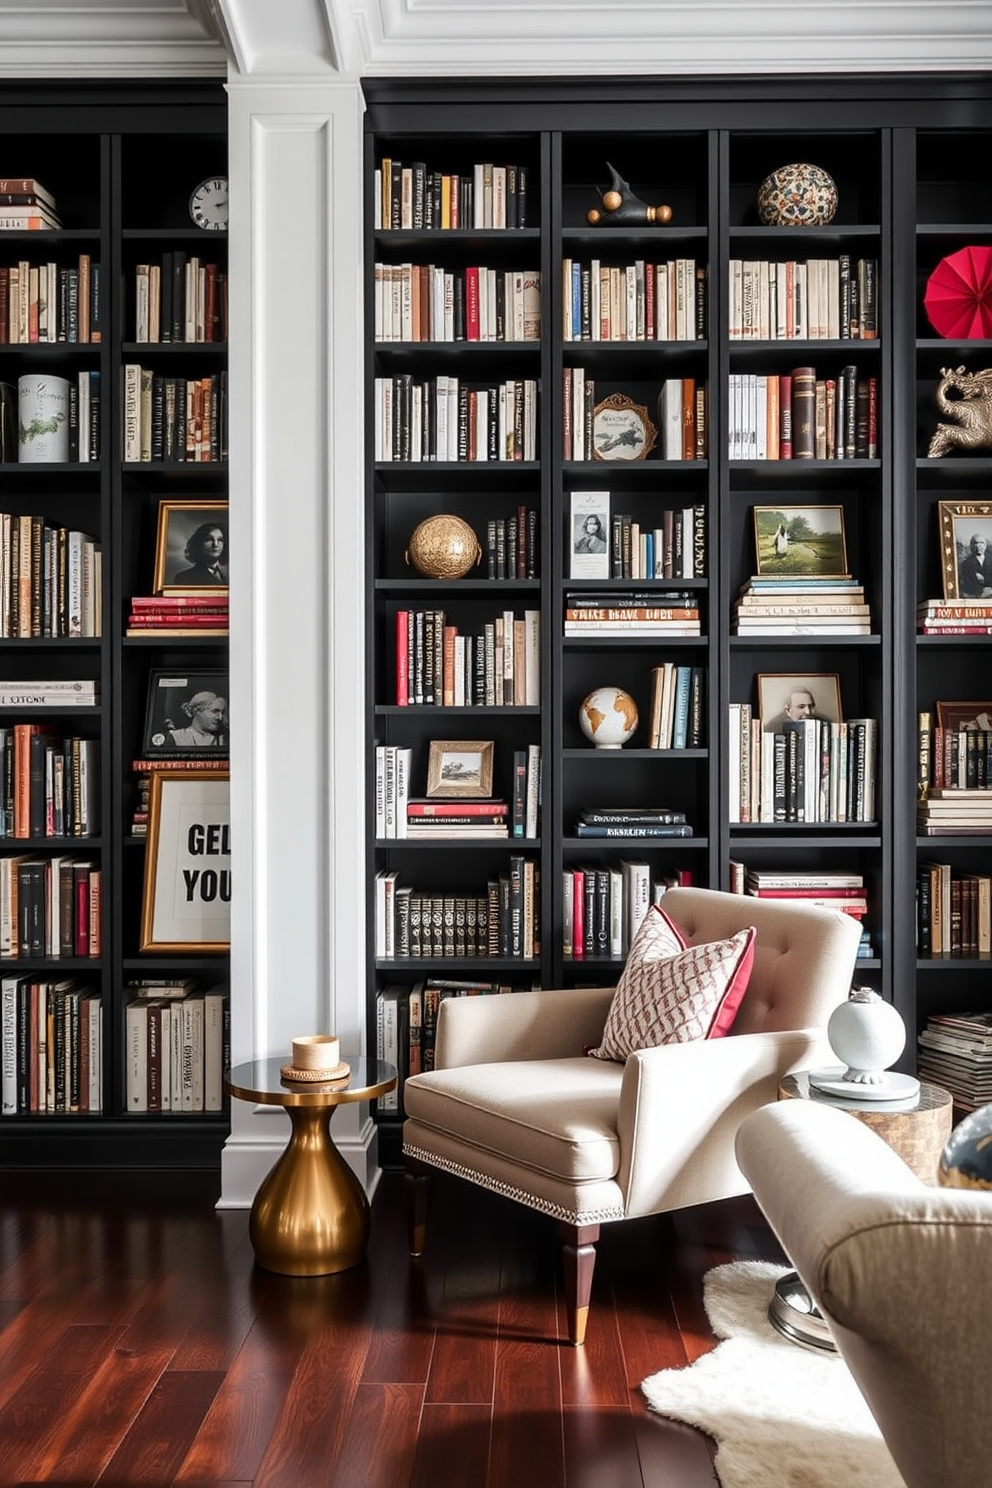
510 1191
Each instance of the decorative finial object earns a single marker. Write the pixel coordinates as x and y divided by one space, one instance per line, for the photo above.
621 205
970 407
867 1034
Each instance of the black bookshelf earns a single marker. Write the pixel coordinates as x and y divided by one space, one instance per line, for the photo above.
121 160
897 149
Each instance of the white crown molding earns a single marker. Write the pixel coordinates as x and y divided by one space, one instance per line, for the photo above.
559 37
118 38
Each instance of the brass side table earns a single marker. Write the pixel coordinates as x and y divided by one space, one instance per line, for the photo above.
310 1216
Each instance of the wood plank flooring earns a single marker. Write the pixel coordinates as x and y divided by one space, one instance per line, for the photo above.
141 1345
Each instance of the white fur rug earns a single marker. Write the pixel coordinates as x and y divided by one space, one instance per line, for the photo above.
782 1415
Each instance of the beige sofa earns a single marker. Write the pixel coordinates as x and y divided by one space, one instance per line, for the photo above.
901 1271
514 1105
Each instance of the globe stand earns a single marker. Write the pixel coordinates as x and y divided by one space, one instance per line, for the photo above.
794 1314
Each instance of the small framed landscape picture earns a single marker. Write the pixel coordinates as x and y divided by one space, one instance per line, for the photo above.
966 548
460 767
191 548
186 902
959 716
590 535
787 697
187 712
807 541
622 429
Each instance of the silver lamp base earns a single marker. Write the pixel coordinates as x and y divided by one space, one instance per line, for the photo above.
793 1313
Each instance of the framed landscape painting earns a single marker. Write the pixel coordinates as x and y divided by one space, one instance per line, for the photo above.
807 541
460 767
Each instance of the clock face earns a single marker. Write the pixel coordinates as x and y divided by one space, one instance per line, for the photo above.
208 204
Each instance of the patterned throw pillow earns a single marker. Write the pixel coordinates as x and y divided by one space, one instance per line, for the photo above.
672 993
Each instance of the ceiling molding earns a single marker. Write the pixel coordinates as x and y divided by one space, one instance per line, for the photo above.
115 38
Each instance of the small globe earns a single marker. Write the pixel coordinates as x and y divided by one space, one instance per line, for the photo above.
443 547
966 1161
608 717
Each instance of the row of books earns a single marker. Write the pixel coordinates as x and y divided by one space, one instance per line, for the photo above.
667 612
181 419
799 416
52 1046
513 545
45 302
682 417
144 769
602 908
954 758
49 784
803 770
625 548
445 418
412 198
50 907
803 299
438 665
954 617
955 811
176 1049
453 820
676 711
26 205
797 606
955 1050
51 581
205 613
50 692
952 912
633 302
425 302
503 921
180 299
406 1024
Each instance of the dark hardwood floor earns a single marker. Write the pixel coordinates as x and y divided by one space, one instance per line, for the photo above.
140 1345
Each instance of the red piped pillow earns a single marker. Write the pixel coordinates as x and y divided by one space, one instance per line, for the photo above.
673 993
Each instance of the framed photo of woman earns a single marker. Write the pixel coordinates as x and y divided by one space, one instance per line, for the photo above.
191 549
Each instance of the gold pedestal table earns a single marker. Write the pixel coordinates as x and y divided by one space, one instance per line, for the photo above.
310 1216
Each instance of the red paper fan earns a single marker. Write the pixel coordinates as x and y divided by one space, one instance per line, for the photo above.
958 296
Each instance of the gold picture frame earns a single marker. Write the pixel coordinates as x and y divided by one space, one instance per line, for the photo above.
622 429
460 767
965 574
182 563
185 902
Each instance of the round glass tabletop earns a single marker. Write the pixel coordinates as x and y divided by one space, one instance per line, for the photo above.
261 1081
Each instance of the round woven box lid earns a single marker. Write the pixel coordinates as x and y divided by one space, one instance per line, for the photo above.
315 1076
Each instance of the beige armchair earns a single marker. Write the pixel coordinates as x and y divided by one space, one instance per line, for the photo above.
514 1105
899 1270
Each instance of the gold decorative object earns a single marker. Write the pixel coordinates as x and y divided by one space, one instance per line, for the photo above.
443 547
621 205
971 410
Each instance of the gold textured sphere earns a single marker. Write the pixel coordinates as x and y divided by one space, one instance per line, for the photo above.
593 216
443 547
660 215
612 200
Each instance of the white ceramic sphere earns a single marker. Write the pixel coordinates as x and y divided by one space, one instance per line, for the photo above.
868 1037
608 717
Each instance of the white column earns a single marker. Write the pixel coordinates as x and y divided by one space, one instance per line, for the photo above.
297 604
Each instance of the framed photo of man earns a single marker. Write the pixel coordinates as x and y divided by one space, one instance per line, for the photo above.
191 549
787 697
966 548
186 714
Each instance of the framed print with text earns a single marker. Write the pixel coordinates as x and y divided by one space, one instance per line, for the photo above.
186 903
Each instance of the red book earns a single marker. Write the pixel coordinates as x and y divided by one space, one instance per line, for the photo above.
81 918
471 304
402 659
167 603
806 893
456 808
650 330
578 914
785 417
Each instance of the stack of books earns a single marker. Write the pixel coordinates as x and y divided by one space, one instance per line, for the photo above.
645 612
63 692
144 769
25 205
798 605
955 811
203 614
955 1051
632 821
430 820
954 617
826 889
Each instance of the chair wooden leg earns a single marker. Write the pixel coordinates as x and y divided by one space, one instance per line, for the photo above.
579 1256
417 1184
